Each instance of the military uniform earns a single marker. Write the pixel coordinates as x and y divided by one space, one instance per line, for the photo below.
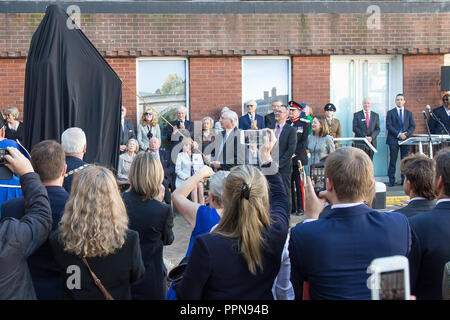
334 125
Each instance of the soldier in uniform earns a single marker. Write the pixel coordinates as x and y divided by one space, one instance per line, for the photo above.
333 123
302 127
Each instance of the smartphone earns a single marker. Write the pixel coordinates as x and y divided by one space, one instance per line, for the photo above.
390 278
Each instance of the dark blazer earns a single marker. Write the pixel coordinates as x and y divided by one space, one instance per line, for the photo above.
15 134
127 132
416 207
441 114
217 271
20 238
233 151
302 127
72 164
269 120
45 274
333 253
189 126
430 252
393 125
153 220
285 147
360 127
116 271
167 164
245 124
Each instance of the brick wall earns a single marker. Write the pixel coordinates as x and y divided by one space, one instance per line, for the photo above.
214 83
311 81
12 84
422 86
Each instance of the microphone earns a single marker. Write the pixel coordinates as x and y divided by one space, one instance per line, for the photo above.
425 115
430 112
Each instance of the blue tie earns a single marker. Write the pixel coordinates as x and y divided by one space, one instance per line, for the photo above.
401 119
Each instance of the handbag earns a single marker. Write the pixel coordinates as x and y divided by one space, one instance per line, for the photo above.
97 281
176 274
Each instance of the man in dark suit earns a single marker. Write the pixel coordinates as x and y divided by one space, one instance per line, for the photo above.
184 126
418 185
443 114
284 148
73 141
251 120
228 149
431 250
269 119
400 125
126 131
366 124
302 126
168 167
48 160
333 253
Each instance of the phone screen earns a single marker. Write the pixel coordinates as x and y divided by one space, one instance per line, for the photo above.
392 285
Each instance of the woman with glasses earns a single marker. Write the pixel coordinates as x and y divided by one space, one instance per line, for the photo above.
148 128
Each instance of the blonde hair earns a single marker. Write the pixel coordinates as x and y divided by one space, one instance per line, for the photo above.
146 175
154 120
245 219
95 220
351 171
12 110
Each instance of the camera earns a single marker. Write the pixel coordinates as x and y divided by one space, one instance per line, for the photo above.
149 135
3 152
5 173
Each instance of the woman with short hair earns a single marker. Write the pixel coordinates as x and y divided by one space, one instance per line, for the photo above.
125 160
14 129
148 128
153 220
95 226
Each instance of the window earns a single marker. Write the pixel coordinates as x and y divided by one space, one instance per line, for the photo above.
266 80
162 84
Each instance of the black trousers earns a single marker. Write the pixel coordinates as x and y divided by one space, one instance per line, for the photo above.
393 154
296 190
287 185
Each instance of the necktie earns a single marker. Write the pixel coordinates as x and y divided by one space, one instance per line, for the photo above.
367 121
401 119
277 131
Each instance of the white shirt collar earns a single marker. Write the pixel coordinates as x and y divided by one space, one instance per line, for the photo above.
443 200
417 198
346 205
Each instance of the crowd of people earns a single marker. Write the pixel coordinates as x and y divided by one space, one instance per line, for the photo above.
79 231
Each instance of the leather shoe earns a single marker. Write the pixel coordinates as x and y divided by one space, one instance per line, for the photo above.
391 184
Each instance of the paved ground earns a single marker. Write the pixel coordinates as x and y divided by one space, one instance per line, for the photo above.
182 230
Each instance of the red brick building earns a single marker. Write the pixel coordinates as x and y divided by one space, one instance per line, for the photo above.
228 52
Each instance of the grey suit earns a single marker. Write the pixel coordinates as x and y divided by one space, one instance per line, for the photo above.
416 207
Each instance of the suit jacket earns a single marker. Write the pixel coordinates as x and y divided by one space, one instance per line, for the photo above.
45 274
269 120
430 252
189 126
217 271
127 132
360 127
72 164
416 207
153 220
284 149
302 127
167 164
245 124
333 253
230 154
393 125
116 271
441 114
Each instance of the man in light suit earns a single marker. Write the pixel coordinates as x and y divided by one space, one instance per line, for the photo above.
431 250
443 114
126 131
366 124
323 252
400 125
418 170
251 120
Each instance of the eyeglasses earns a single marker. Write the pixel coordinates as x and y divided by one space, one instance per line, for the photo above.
445 99
148 114
251 105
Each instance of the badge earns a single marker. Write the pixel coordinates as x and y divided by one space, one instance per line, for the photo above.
299 129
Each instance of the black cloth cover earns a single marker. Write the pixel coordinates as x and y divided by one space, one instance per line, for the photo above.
69 84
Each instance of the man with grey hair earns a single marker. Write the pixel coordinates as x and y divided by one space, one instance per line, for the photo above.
366 124
251 120
186 127
74 144
229 151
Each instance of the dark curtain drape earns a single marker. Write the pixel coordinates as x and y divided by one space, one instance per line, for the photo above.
69 84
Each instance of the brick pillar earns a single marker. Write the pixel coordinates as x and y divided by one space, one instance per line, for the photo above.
12 84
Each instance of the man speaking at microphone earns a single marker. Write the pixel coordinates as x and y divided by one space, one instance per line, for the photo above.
443 114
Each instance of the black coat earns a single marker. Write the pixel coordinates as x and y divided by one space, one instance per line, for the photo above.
393 125
441 114
72 164
153 221
127 132
284 149
302 127
116 271
15 134
45 273
269 120
416 207
360 127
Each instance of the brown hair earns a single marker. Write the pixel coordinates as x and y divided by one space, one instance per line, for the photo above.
443 168
325 129
146 175
419 170
48 160
351 171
